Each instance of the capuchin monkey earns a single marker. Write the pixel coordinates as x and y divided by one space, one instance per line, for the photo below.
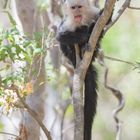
79 19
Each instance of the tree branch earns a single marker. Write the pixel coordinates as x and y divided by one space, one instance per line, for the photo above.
117 94
82 67
32 113
120 12
14 88
99 26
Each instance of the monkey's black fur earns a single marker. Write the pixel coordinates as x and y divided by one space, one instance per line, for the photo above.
67 40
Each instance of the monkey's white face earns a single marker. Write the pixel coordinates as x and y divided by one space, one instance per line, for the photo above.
77 11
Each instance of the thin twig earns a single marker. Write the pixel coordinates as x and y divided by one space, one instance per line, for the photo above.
119 60
42 47
117 94
133 8
5 133
121 103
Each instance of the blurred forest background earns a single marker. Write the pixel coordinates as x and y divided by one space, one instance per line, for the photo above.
122 41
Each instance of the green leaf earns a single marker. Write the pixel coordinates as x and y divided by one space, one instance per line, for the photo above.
11 38
14 31
27 57
7 80
3 53
26 44
19 49
37 51
1 92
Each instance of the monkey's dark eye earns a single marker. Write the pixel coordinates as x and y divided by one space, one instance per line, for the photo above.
79 6
73 7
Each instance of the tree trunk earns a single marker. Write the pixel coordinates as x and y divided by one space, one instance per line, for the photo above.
31 22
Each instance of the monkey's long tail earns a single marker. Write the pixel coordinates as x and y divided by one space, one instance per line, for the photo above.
90 101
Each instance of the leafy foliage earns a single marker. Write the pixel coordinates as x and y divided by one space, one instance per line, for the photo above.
17 53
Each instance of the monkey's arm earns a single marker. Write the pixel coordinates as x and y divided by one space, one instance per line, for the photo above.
76 37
